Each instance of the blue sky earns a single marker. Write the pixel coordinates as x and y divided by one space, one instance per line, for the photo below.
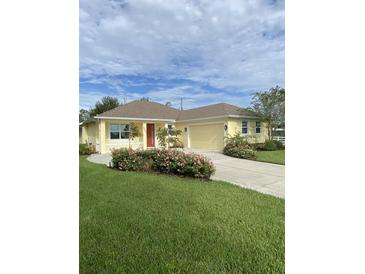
205 51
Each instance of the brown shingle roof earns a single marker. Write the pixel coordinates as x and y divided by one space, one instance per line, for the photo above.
221 109
153 110
142 109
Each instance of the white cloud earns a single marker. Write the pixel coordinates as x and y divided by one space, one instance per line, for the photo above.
228 44
89 98
192 96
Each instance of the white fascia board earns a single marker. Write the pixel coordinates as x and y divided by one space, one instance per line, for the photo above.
217 117
134 119
199 119
243 116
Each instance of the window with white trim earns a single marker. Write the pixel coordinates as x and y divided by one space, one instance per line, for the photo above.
244 127
120 131
258 127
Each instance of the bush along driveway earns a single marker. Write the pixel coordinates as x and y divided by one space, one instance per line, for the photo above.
135 222
271 151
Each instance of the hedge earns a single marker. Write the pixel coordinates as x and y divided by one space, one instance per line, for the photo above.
270 145
164 161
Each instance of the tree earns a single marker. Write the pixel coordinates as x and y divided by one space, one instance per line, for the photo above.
279 93
106 103
169 137
145 99
133 132
173 140
83 115
162 134
168 104
270 105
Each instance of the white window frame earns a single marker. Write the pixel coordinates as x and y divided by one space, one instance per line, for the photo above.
120 131
256 127
247 127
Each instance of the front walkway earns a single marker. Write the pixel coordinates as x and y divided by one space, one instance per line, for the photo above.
100 158
263 177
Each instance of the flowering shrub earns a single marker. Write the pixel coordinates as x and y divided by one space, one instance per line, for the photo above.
239 151
164 161
259 146
178 162
169 138
130 160
246 141
238 146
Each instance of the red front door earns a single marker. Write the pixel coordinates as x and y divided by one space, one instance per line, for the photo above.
150 135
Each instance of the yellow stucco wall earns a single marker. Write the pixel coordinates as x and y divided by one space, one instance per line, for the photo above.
184 135
83 138
89 134
235 125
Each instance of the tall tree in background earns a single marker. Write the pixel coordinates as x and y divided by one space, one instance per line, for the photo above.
83 115
106 103
270 105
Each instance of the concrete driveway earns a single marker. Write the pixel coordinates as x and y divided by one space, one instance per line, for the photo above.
263 177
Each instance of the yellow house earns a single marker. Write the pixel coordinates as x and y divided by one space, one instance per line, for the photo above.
202 128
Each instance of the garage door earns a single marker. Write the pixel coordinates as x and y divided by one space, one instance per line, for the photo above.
207 136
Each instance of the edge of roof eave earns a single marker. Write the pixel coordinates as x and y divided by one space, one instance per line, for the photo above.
177 120
217 117
137 119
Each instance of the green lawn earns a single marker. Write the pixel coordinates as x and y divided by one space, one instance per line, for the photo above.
276 157
138 222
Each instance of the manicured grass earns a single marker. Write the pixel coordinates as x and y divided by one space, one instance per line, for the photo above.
276 157
139 222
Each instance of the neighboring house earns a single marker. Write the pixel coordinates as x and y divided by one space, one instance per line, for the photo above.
202 128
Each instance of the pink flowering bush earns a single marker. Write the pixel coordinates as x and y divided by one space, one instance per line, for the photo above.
164 161
239 147
239 151
130 160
